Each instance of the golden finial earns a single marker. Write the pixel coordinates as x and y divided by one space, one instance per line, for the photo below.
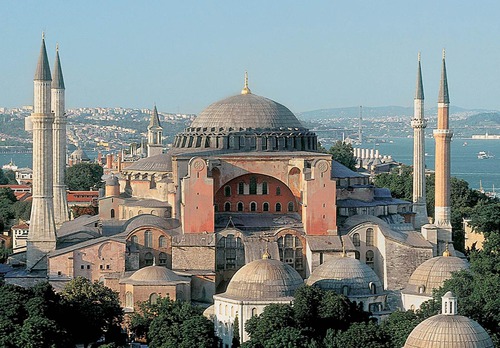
419 56
266 255
446 252
444 53
245 89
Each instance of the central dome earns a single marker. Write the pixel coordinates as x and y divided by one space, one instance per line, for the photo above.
247 111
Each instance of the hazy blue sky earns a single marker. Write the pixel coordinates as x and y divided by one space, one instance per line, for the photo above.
308 55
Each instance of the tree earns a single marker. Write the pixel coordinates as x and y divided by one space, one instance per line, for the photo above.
22 210
344 154
172 324
367 335
274 318
92 306
236 333
83 176
399 325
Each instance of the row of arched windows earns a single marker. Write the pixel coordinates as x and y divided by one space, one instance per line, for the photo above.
252 188
240 206
369 238
148 240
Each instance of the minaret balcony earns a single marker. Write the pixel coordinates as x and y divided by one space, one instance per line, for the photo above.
418 123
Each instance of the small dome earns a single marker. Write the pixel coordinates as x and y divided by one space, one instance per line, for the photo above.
264 279
79 155
112 181
246 111
338 272
154 275
432 273
448 331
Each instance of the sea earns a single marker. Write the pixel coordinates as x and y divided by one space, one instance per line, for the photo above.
464 162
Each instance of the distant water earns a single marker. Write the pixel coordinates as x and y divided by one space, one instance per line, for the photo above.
464 162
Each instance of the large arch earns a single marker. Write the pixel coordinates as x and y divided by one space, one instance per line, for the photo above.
252 191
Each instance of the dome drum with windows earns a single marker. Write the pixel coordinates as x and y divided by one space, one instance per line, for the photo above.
246 122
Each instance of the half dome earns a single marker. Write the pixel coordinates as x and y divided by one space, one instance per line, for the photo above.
264 279
247 111
339 272
154 275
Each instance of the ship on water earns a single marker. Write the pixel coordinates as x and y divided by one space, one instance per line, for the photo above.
484 155
486 136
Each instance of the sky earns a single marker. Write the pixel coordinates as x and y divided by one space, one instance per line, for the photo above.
307 55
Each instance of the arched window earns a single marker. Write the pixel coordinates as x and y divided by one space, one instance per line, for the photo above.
253 206
240 206
148 259
227 191
153 298
357 255
254 312
278 207
373 288
264 188
265 206
227 206
112 213
163 259
369 258
148 239
129 300
230 252
135 240
290 206
355 240
162 242
278 191
253 185
241 188
139 212
369 236
290 250
345 290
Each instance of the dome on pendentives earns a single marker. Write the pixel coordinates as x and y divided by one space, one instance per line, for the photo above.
264 279
154 275
448 330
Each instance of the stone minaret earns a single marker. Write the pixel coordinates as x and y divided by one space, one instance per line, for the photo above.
155 146
61 213
419 123
42 233
443 136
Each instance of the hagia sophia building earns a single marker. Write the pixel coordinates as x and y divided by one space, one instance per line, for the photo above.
240 212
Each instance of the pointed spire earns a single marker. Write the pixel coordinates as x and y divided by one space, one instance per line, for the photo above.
42 72
443 86
155 120
419 94
57 80
245 89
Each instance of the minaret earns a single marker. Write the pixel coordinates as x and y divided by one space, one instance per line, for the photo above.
155 146
61 213
419 123
42 233
442 135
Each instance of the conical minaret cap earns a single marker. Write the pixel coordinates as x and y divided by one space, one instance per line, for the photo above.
419 93
42 72
443 86
57 80
155 120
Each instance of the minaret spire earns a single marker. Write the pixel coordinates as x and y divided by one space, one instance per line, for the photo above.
155 130
61 212
42 233
419 123
443 136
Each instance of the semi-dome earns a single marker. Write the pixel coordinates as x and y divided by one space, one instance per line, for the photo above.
154 275
247 111
340 272
448 330
264 279
432 273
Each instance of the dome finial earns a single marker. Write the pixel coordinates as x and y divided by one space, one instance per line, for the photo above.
449 304
245 89
266 255
446 252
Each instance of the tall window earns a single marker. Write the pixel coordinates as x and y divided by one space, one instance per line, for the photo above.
369 236
278 191
230 252
135 240
290 249
162 242
253 206
278 207
112 213
290 206
163 259
148 259
370 258
265 206
153 298
241 188
264 188
240 206
129 300
227 191
355 240
148 239
253 185
227 206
